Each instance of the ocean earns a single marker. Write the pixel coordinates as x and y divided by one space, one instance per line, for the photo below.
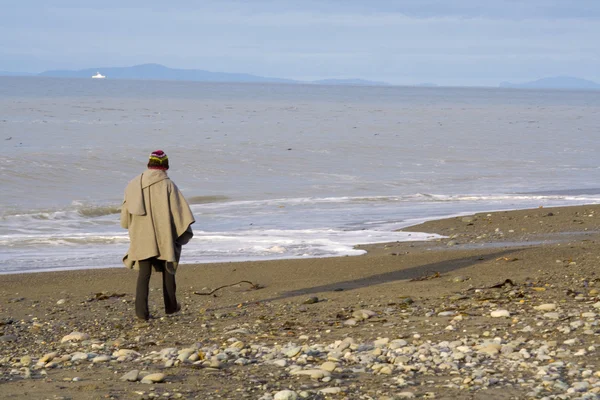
278 171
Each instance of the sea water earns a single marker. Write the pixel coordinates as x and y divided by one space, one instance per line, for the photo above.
278 171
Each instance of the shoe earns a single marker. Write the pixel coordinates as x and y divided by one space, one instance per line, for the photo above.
176 310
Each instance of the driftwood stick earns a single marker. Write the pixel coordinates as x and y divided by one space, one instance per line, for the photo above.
253 286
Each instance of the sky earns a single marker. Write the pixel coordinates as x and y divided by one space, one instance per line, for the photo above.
447 42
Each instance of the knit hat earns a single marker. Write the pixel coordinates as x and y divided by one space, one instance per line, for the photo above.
158 160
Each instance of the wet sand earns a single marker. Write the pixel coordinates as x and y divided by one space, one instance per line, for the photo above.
431 299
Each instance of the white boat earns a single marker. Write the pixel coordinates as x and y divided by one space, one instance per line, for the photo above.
98 76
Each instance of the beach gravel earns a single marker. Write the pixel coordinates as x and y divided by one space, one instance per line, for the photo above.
492 316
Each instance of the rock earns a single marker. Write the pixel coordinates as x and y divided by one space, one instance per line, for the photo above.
131 376
153 378
397 343
126 353
102 358
8 338
185 354
330 390
311 300
280 362
381 342
48 357
79 356
350 322
552 315
500 314
25 361
238 345
293 352
75 337
61 302
447 314
386 370
546 307
363 314
286 395
405 395
328 366
313 373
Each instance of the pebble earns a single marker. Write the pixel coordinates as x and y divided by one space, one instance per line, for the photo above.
552 315
546 307
75 337
329 366
131 376
79 356
293 352
153 378
286 395
101 359
330 390
313 373
500 314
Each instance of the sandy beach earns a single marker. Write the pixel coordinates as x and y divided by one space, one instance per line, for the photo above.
504 307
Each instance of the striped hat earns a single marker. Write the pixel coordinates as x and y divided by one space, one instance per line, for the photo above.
158 160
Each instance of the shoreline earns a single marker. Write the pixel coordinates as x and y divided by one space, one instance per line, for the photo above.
361 246
401 305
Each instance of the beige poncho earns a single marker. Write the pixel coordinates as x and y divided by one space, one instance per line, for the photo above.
158 219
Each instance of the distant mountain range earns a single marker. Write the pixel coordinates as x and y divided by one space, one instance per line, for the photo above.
160 72
354 82
558 82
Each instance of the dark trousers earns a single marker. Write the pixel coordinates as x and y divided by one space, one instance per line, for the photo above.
143 284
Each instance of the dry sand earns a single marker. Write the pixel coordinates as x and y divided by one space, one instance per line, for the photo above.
425 328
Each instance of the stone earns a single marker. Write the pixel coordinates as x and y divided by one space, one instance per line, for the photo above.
75 337
500 314
447 314
313 373
153 378
126 353
293 352
131 376
552 315
329 366
8 338
101 358
61 302
363 314
386 370
330 390
280 362
546 307
286 395
79 356
48 357
405 395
